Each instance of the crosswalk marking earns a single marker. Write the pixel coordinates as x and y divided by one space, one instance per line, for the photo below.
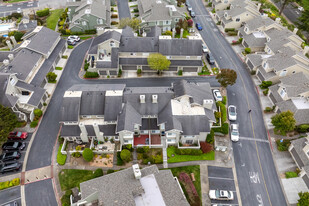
253 139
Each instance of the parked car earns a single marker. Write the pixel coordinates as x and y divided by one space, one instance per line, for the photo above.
232 113
189 8
221 195
71 42
13 146
234 133
205 48
217 95
19 10
210 58
18 135
187 3
74 37
300 8
8 167
192 13
199 26
7 156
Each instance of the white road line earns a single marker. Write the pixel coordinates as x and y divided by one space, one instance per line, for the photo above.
221 178
253 139
11 201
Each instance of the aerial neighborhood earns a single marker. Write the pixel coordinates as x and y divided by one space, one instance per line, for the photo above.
154 102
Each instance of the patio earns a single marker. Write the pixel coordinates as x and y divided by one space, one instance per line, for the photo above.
141 140
155 139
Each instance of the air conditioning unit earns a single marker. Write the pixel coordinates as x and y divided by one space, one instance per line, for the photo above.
154 98
142 98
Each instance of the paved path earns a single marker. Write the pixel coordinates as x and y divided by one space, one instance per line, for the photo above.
123 9
204 184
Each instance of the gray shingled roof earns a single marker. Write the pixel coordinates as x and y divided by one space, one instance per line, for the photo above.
274 91
102 38
127 118
120 188
108 130
193 124
166 116
295 84
143 61
155 31
299 145
69 111
256 59
139 44
90 131
159 12
259 22
254 42
4 55
96 87
37 92
181 47
92 103
282 59
27 26
301 115
149 124
6 100
113 106
43 40
70 131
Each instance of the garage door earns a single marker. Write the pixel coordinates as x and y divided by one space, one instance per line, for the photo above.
129 68
189 69
148 69
172 69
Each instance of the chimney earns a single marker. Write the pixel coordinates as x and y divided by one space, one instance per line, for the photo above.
174 31
8 42
170 11
306 50
278 20
154 98
181 32
84 133
207 103
142 99
259 6
295 30
6 62
137 171
97 132
13 40
11 57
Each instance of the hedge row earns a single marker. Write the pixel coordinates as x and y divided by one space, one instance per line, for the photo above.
7 184
188 151
224 129
43 12
91 75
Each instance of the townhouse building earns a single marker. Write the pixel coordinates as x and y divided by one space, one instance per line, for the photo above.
24 69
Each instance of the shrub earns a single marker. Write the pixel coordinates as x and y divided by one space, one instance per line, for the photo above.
188 151
140 150
112 8
247 50
70 47
224 129
157 159
223 111
7 184
265 84
114 16
33 124
291 174
90 31
109 171
209 4
190 22
139 71
229 29
168 33
213 10
61 158
43 12
268 109
76 154
224 100
217 115
51 77
65 199
91 75
253 72
180 72
265 92
135 10
64 56
45 104
37 112
119 73
59 68
86 66
284 145
210 137
303 128
114 23
125 155
88 154
232 33
119 160
128 147
98 173
206 147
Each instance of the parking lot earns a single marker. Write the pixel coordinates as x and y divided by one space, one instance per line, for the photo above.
10 195
222 178
23 152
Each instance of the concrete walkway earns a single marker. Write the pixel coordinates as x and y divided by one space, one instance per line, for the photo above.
204 184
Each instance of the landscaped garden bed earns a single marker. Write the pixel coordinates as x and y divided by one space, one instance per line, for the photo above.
152 155
183 155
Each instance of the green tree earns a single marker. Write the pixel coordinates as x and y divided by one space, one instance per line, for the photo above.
133 23
125 155
283 4
157 61
303 199
181 24
179 2
38 112
88 154
8 122
303 20
284 122
51 76
227 77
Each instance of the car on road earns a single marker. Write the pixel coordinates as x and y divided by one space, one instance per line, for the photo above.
19 10
192 13
217 95
8 167
8 156
205 48
234 133
13 146
18 135
189 8
74 37
187 3
300 8
71 42
199 26
232 113
221 195
210 58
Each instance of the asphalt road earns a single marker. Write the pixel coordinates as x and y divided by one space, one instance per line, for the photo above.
10 195
7 9
123 9
257 177
291 12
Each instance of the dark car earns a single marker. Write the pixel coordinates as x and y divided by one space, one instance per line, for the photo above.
210 58
10 156
192 13
199 26
8 167
15 203
13 146
18 135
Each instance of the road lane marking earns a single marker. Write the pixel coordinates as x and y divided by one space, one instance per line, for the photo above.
252 139
221 178
254 177
11 201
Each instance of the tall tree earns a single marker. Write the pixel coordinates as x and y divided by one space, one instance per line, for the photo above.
303 21
283 4
181 24
226 77
284 122
8 122
157 61
133 23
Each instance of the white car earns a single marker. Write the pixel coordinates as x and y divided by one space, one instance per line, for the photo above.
232 113
217 95
189 8
234 133
221 195
300 8
19 10
205 49
74 38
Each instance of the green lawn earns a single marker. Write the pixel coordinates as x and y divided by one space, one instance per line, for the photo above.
13 1
61 158
70 178
85 37
186 158
58 68
52 20
189 169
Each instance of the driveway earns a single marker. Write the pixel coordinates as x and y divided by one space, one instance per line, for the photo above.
123 9
10 195
253 158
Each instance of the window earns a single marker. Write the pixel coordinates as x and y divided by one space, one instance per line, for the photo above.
176 19
112 43
294 72
146 54
187 57
84 23
237 19
226 1
246 29
268 50
76 22
100 21
126 141
268 39
283 73
133 54
167 22
189 141
283 92
12 80
265 65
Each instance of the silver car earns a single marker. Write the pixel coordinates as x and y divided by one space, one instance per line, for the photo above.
232 113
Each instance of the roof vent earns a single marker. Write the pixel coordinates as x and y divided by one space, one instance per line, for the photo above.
137 172
142 98
207 103
154 98
6 62
11 56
